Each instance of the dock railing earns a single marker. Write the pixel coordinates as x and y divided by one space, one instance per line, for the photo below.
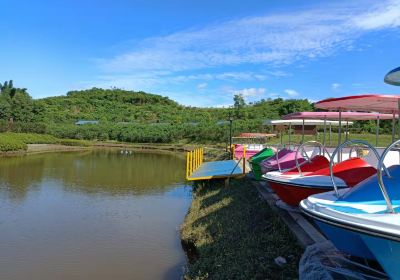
193 160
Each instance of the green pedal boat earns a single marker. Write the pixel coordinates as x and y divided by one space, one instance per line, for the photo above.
257 159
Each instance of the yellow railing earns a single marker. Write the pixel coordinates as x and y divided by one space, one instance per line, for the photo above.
193 160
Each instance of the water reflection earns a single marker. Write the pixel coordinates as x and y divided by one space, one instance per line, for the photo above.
94 171
92 215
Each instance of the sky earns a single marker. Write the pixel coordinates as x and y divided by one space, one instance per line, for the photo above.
201 52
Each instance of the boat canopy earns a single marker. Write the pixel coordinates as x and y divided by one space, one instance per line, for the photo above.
364 103
393 77
355 116
302 121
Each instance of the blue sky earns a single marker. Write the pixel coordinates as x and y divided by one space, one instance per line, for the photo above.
201 53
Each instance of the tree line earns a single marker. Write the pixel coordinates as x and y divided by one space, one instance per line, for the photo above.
132 116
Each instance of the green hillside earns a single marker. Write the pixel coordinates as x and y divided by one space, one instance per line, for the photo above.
116 105
137 116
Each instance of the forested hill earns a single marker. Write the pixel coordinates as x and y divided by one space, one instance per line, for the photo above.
132 116
111 105
116 105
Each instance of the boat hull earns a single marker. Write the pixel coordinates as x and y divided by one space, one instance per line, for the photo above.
345 240
293 194
386 252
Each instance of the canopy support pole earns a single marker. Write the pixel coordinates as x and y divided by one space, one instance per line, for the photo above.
398 115
330 134
302 133
324 138
290 133
393 125
340 132
347 130
377 131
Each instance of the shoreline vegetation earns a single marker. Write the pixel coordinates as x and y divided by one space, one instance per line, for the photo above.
21 143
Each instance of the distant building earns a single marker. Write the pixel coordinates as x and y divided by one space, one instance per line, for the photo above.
82 122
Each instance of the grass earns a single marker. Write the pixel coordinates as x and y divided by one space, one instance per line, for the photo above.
10 141
236 235
31 138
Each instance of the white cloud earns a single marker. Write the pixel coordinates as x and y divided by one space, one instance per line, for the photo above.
197 56
250 92
277 39
291 92
202 86
335 86
386 15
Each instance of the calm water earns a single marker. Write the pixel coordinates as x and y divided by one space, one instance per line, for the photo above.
92 215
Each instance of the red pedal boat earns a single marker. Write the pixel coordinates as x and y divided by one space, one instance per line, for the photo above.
313 177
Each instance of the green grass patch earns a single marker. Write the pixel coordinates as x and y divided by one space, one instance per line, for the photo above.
31 138
9 143
236 235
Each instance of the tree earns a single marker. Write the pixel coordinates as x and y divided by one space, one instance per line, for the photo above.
15 103
239 104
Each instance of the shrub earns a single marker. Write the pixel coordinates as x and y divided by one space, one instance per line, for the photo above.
31 138
9 143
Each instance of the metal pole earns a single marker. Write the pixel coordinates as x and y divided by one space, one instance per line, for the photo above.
377 131
340 127
393 125
302 133
340 133
347 130
398 114
330 134
230 133
323 141
290 133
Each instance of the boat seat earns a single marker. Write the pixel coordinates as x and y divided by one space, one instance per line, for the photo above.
352 171
308 168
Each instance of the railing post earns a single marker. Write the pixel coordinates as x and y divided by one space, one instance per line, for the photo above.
244 159
191 162
194 159
197 158
187 165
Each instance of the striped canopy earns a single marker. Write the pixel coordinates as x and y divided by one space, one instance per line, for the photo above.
364 103
354 116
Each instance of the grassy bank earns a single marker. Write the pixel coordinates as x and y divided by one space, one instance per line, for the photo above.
10 141
233 234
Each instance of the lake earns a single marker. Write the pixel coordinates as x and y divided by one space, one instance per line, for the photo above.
92 215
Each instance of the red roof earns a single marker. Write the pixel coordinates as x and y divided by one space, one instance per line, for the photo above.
354 116
365 103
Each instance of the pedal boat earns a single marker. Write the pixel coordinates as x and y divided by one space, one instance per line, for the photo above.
284 159
363 221
313 177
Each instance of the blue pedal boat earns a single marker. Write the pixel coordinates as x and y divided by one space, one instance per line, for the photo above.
364 220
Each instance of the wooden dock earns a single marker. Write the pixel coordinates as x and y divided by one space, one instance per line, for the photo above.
197 169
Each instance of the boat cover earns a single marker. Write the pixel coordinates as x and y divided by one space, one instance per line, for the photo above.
286 161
